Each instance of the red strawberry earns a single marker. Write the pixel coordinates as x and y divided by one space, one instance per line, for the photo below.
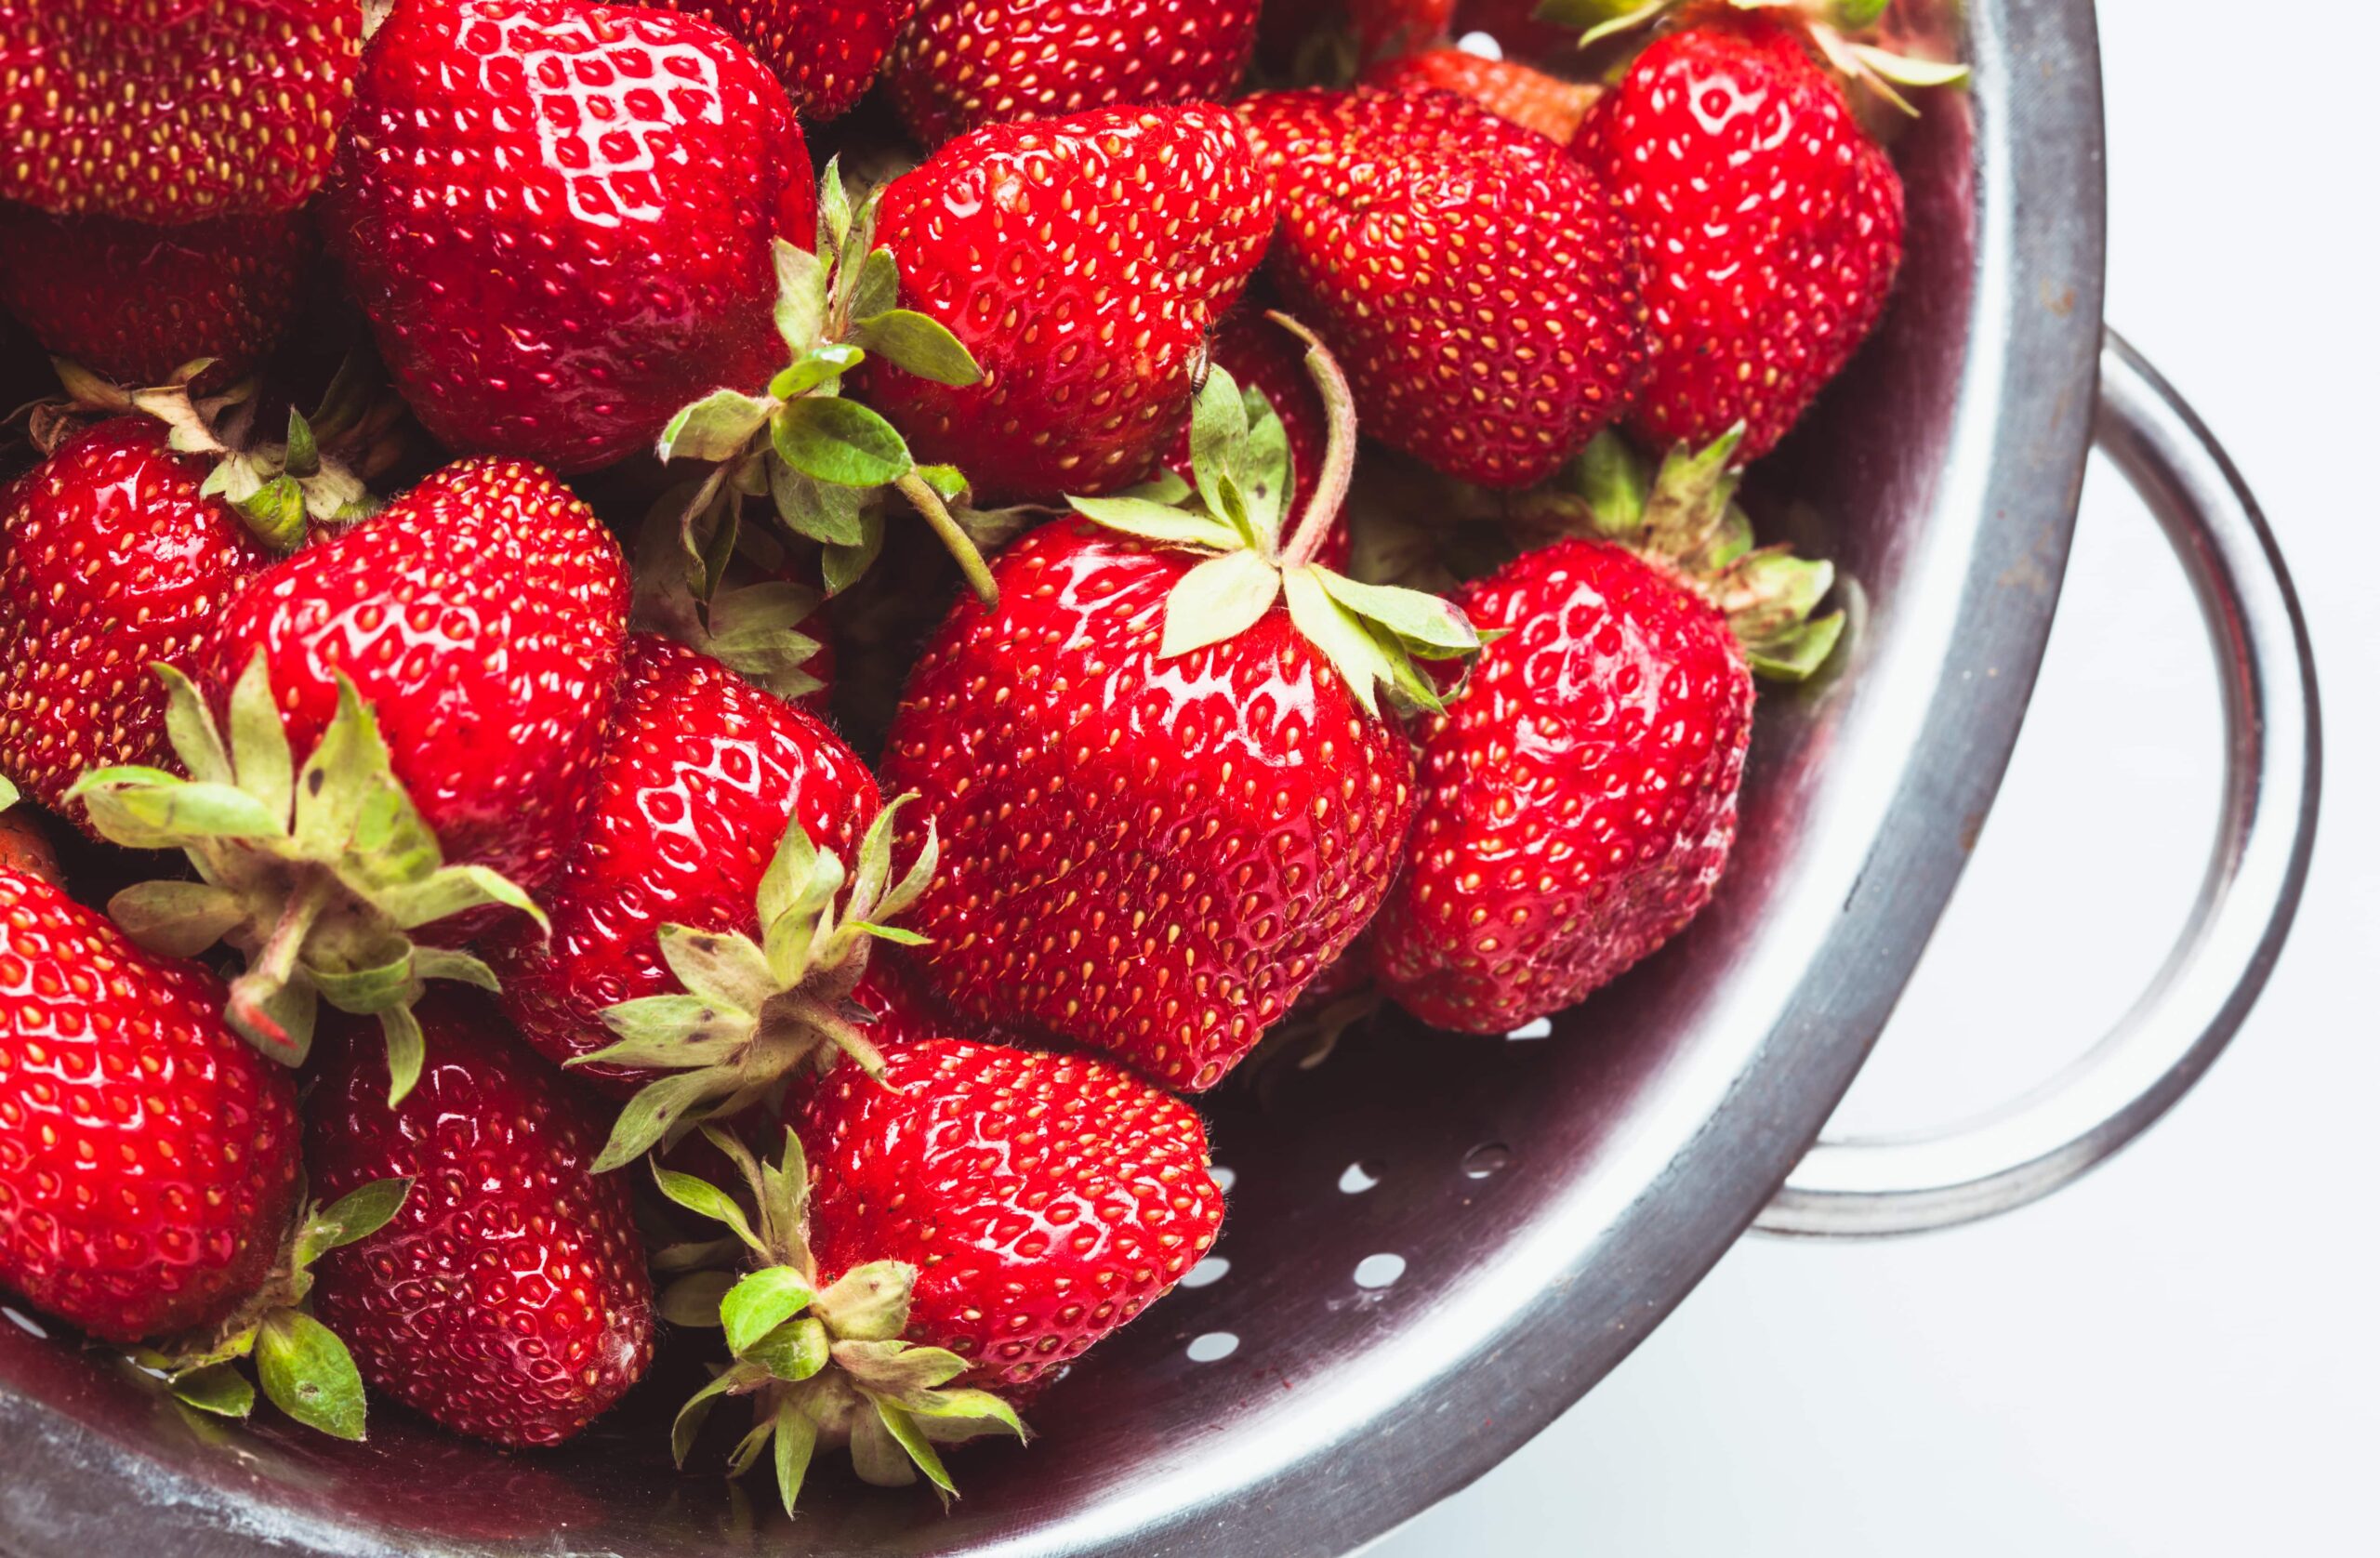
981 1215
560 216
700 777
1579 796
1772 225
110 561
1166 798
148 1158
1484 299
1266 359
170 110
483 617
1509 90
133 303
827 52
1081 261
966 63
508 1301
1112 1172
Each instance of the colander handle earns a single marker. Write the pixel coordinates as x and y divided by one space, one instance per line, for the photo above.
1866 1187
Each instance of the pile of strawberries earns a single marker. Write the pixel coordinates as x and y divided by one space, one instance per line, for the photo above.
510 461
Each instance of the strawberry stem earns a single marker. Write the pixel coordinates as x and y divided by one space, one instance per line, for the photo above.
1338 450
937 514
269 973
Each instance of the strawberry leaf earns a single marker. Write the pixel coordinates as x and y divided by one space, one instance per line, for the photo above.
715 428
841 566
1425 624
815 367
802 280
308 1373
919 343
218 1388
1152 521
827 513
920 1451
794 1351
869 1302
704 1199
178 919
760 1302
1218 600
354 1217
840 440
720 967
401 1032
695 1301
877 1454
1339 636
874 286
797 1440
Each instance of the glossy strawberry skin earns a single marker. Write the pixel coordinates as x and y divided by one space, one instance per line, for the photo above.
555 254
484 616
963 64
1482 298
1083 260
109 563
1772 225
133 303
1506 88
508 1299
1259 354
1579 798
1044 1199
169 111
148 1158
699 775
1149 857
827 52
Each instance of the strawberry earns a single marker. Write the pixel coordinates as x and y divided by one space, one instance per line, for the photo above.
482 616
133 303
1164 790
148 1158
110 561
1081 262
127 108
1484 299
1265 360
449 665
963 64
1772 224
979 1217
702 776
557 254
1579 797
827 52
1509 90
508 1299
26 849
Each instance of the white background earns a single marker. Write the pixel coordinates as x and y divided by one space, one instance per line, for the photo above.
2177 1357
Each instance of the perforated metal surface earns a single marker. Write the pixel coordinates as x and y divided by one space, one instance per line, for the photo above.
1434 1244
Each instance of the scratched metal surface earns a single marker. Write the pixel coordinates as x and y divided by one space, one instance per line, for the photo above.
1549 1199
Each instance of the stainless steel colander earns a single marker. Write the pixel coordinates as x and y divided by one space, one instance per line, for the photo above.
1437 1245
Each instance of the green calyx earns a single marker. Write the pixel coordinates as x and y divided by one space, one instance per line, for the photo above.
754 1012
318 873
1835 27
314 473
824 1368
1233 514
1684 515
823 460
751 625
303 1368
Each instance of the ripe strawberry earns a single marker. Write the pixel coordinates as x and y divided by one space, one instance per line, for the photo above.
827 52
700 778
111 560
1264 359
148 1158
26 848
1166 799
1509 90
1081 261
897 1272
1484 300
482 616
1772 225
556 253
169 111
1579 797
963 64
133 303
508 1299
